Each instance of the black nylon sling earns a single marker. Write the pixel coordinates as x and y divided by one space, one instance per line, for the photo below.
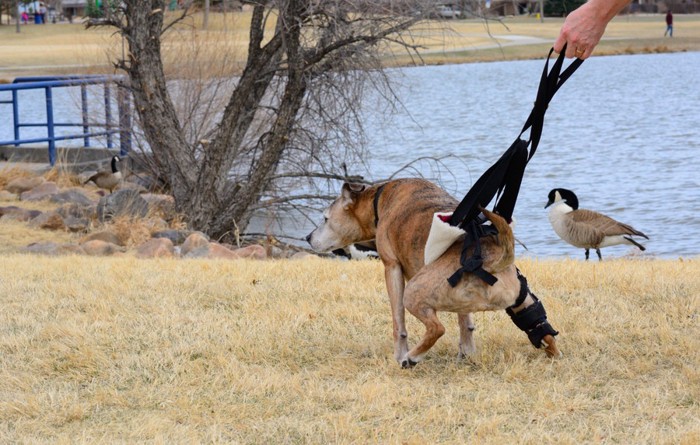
504 177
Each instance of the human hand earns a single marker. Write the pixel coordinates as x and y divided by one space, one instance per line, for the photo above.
584 27
581 31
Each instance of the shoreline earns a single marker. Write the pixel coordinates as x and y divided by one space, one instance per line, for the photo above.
63 48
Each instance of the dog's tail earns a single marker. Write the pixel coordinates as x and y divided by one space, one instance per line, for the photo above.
505 242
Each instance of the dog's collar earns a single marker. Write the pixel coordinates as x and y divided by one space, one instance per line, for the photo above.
380 189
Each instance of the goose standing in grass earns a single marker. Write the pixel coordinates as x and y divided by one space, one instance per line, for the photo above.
585 228
108 180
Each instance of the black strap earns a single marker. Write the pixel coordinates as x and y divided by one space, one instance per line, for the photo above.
504 177
524 290
474 263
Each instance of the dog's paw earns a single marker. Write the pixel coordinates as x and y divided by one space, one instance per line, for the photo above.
466 351
407 363
550 347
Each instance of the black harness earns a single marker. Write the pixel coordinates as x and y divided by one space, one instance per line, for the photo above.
504 177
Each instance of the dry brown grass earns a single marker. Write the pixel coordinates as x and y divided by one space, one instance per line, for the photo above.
12 172
65 48
176 351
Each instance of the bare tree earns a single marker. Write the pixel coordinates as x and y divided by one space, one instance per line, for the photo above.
294 103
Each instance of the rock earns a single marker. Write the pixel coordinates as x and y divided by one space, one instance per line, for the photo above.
75 225
129 185
121 203
199 252
254 251
217 251
40 192
100 248
163 205
54 249
176 236
156 224
106 236
156 248
212 251
73 195
18 214
48 221
76 210
146 181
194 241
301 256
7 196
21 185
277 253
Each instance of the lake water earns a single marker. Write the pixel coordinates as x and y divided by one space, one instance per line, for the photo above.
623 133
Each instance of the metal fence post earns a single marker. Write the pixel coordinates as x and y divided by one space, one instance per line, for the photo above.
84 110
108 114
49 126
15 115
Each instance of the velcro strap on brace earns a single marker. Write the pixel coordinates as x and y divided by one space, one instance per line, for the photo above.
533 319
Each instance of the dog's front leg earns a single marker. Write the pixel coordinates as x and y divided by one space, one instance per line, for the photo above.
466 335
393 274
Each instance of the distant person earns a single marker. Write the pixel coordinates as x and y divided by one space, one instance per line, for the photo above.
43 14
584 27
669 23
25 18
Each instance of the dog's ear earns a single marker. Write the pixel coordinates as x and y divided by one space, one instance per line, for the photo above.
351 191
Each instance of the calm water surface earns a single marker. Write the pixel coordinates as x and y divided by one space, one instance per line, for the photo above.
623 133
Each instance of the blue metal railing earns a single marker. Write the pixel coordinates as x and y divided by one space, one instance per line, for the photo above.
107 128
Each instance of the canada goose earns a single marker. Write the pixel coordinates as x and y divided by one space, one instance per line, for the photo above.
108 180
586 228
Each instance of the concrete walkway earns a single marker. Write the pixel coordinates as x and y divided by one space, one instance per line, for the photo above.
29 166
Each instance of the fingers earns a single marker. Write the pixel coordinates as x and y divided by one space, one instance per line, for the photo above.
573 48
559 43
582 52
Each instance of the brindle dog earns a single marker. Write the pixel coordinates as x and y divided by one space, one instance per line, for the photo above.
398 215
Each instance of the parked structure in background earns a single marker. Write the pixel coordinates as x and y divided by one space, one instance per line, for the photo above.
74 8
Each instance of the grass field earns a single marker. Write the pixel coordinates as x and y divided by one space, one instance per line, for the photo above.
71 49
120 350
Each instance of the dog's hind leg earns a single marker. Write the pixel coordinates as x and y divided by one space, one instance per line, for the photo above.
395 288
433 331
466 335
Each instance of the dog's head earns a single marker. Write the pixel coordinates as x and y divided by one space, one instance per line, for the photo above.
342 223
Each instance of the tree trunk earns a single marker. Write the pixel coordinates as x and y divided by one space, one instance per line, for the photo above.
261 118
151 99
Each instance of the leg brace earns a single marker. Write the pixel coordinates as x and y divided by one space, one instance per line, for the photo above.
533 319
